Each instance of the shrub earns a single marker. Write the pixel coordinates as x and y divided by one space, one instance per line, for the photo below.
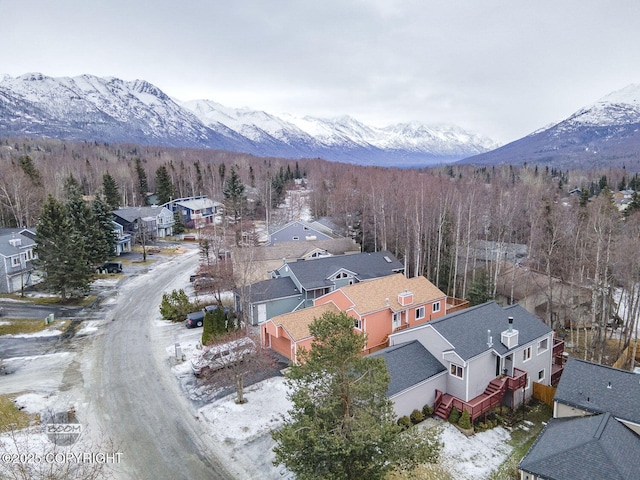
454 416
427 411
465 420
480 427
404 422
416 416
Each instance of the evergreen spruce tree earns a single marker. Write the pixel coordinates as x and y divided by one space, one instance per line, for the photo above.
61 251
110 190
143 185
164 186
234 193
103 234
342 425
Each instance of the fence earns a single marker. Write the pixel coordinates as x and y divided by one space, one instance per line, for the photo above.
544 393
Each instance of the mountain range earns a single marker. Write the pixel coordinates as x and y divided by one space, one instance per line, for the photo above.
604 134
107 109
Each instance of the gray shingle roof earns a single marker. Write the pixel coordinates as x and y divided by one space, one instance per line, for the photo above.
596 446
314 274
8 250
131 214
585 385
271 289
467 329
408 364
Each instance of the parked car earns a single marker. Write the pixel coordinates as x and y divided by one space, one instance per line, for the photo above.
110 267
216 357
196 319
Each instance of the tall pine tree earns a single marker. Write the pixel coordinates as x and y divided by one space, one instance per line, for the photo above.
164 186
61 251
143 184
110 190
341 424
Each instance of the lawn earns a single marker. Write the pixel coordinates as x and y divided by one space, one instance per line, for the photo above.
11 418
21 326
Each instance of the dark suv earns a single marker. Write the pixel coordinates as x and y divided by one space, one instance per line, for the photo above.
196 319
111 267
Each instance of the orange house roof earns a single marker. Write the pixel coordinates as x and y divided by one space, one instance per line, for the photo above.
296 324
372 295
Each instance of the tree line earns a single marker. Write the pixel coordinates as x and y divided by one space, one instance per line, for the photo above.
431 218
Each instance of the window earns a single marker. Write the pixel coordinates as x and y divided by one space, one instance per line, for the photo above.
543 346
419 313
455 370
436 307
526 354
15 261
541 375
358 323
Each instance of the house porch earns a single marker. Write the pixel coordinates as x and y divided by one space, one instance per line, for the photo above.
478 406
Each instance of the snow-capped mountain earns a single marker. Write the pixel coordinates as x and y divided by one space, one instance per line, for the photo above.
112 110
606 133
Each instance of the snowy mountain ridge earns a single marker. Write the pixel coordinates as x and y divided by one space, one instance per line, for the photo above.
109 109
605 133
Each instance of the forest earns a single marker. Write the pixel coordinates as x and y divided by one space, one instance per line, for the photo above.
580 260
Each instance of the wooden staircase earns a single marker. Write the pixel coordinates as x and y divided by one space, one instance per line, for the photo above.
492 396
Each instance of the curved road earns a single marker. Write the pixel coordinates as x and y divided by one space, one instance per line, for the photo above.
132 394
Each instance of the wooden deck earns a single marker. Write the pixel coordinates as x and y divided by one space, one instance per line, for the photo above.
477 406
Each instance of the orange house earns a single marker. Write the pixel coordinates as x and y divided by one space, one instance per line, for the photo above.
288 333
379 307
385 305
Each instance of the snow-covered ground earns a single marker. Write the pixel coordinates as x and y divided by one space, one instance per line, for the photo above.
243 432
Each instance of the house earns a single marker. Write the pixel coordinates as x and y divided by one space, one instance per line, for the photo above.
123 240
595 446
323 275
385 305
258 263
267 299
289 333
587 388
158 221
378 307
595 429
17 251
195 212
296 231
491 355
309 279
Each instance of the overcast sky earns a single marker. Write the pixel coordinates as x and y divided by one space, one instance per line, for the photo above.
499 68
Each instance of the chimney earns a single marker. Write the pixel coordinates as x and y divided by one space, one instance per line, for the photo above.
509 338
489 339
405 298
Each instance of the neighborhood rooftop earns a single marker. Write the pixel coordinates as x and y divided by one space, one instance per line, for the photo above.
584 447
408 365
468 329
376 294
599 388
270 289
316 273
297 323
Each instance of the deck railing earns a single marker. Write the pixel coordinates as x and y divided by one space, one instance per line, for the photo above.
518 380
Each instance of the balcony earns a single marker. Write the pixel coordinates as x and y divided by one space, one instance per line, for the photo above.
558 360
455 304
